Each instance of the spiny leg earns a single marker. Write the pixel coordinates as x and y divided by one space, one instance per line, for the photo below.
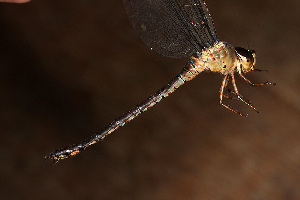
235 97
223 86
255 84
240 97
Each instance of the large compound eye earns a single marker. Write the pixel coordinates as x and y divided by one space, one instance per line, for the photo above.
244 52
247 58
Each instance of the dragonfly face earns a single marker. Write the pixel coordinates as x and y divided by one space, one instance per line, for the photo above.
247 59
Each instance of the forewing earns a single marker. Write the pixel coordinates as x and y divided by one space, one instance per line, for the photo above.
173 28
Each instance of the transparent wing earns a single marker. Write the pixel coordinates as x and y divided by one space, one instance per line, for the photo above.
173 28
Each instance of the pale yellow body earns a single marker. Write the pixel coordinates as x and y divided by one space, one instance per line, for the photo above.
225 59
221 58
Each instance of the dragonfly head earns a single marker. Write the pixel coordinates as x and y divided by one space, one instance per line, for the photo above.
247 59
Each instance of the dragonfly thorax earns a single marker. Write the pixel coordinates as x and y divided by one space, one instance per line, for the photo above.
221 57
226 59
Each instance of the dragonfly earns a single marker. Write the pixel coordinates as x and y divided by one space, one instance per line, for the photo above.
179 28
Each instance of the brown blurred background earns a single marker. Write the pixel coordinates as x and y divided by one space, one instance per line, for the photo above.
68 68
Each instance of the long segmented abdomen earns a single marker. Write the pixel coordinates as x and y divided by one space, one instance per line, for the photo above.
188 73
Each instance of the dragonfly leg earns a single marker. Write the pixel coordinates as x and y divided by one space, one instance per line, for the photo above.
234 96
223 86
255 84
241 97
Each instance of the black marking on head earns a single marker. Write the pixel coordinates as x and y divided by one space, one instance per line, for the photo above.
244 52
